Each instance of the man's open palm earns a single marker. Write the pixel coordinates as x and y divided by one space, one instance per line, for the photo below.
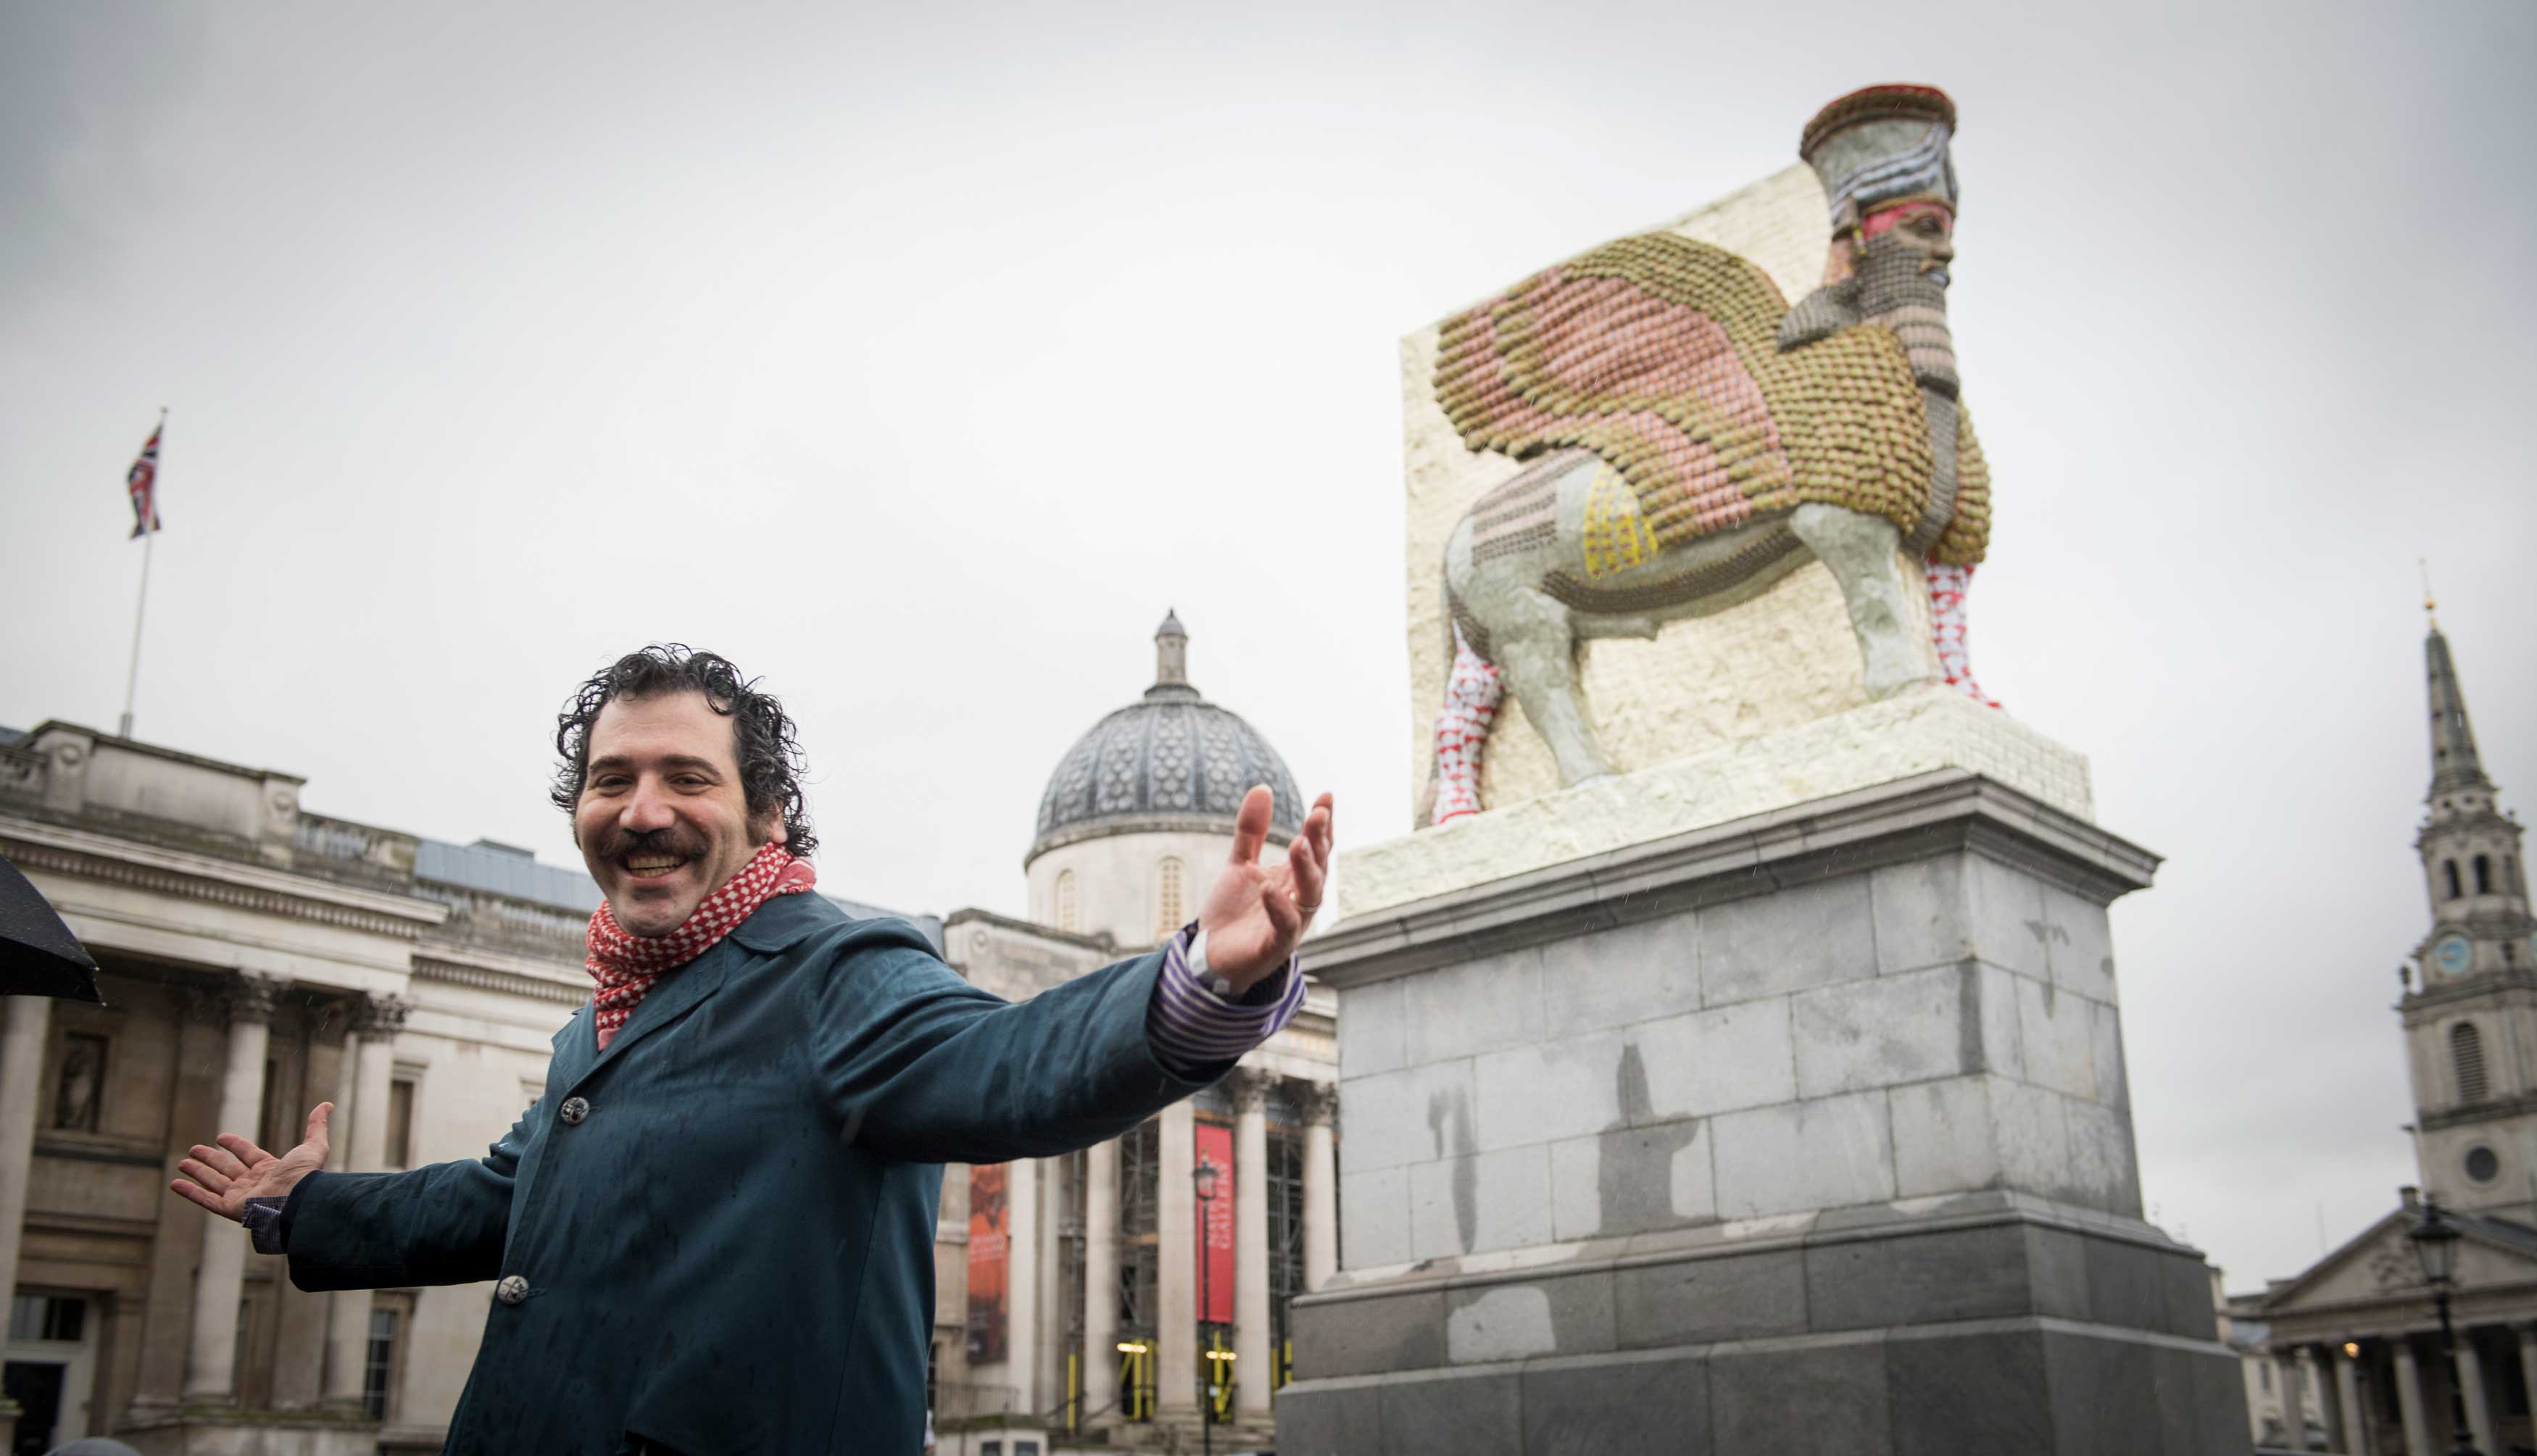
1255 915
225 1177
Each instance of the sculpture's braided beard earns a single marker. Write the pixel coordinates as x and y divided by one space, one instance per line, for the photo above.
1897 291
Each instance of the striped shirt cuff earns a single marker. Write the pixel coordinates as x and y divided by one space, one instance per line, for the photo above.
1196 1030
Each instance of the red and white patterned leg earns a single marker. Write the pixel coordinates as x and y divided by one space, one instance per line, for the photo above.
1473 691
1947 588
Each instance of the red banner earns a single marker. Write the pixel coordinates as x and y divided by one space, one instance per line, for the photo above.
1215 1220
989 1218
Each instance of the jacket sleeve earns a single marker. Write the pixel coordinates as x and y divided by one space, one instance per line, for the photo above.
921 1066
438 1224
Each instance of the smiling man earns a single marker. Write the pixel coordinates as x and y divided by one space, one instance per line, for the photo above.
714 1231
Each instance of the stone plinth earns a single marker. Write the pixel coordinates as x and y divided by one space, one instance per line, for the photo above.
1918 732
1804 1131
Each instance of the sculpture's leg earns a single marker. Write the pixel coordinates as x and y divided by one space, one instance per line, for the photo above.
1536 646
1473 691
1947 588
1859 550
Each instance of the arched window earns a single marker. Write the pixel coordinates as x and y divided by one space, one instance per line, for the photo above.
1065 900
2448 867
2484 875
1167 897
2466 1059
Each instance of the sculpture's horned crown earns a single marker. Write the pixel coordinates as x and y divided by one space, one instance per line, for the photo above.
1881 146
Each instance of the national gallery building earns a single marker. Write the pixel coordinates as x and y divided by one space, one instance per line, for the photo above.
258 959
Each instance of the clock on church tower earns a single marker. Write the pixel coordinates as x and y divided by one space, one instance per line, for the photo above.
2471 1016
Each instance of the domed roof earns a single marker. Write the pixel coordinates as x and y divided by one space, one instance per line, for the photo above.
1169 761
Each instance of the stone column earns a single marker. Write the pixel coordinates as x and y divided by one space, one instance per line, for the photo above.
347 1312
2470 1378
2409 1399
1255 1381
1022 1286
1101 1283
1056 1207
1321 1186
1175 1266
2528 1362
2347 1396
2312 1367
211 1352
2286 1379
22 1073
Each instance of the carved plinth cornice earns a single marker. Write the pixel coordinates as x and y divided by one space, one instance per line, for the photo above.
1942 813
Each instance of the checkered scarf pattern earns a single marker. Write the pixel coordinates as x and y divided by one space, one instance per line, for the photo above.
625 965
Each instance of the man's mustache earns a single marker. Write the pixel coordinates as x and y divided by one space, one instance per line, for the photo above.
619 845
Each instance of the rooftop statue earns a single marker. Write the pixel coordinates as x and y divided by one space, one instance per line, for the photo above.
1690 440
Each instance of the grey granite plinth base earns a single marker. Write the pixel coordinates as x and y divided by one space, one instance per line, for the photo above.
1807 1132
1996 1326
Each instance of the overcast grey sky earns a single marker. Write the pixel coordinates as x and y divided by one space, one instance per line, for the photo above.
919 356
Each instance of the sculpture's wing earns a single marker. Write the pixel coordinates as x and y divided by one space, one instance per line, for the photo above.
1661 354
1642 351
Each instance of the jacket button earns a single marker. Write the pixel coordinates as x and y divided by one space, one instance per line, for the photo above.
575 1108
512 1289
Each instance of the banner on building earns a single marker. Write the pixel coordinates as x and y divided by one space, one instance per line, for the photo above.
1216 1245
990 1216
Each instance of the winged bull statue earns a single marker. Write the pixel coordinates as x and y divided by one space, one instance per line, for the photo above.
1689 440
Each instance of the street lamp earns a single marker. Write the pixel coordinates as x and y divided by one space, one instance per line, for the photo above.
2436 1245
1203 1175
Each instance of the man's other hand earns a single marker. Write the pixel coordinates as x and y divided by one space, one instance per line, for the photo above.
225 1177
1257 914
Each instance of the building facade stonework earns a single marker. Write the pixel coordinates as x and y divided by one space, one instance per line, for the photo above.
257 959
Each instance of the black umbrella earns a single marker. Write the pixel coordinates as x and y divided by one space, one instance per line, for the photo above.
38 954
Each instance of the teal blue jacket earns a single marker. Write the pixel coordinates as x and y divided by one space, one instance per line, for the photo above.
732 1250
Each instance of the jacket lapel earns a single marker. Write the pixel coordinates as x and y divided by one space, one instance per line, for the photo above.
670 997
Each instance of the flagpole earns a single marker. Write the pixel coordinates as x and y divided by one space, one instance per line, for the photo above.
148 538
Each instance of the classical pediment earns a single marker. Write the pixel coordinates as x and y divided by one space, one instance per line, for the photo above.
2380 1264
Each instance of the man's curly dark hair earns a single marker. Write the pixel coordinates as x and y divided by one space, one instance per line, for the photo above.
762 737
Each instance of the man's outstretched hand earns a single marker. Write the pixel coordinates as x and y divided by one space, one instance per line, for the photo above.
225 1177
1257 914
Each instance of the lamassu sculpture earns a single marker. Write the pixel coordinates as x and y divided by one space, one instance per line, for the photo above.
1691 440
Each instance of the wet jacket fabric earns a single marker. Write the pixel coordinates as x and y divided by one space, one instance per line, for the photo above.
719 1231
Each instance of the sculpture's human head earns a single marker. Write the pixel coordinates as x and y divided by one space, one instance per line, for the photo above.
676 771
1883 157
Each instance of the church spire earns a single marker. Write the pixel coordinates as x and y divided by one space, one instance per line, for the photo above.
2454 763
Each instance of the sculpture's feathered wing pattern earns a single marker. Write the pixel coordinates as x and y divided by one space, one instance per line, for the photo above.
1660 354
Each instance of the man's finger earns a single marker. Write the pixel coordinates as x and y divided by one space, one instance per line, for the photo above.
188 1192
210 1177
1304 860
1284 920
321 1119
247 1154
220 1159
1250 825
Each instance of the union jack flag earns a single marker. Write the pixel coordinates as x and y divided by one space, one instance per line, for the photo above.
142 484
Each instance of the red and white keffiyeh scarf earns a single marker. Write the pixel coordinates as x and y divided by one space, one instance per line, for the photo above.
625 965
